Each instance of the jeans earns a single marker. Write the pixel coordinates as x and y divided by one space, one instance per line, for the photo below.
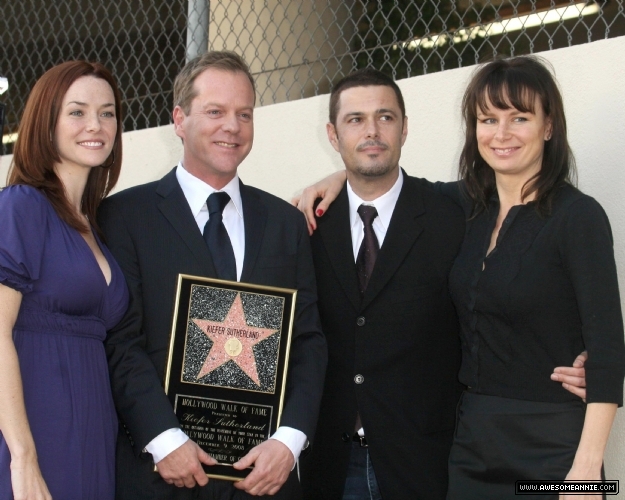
361 483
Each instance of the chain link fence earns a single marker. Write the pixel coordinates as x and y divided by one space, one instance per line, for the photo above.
295 48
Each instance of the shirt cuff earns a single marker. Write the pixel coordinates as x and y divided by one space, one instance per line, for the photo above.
293 439
166 442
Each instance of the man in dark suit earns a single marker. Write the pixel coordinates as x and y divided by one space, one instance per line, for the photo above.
156 232
388 408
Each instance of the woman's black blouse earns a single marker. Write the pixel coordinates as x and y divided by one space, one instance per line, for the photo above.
547 292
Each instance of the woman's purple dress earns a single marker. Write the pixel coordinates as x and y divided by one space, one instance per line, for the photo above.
66 310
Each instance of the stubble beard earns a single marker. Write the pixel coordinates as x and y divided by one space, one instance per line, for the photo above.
376 167
374 170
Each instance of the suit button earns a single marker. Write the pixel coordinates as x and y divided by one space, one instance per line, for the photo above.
360 321
359 379
345 437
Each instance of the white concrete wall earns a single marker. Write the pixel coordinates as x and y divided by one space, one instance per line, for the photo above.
291 149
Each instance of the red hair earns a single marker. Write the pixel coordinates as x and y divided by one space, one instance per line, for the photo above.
35 155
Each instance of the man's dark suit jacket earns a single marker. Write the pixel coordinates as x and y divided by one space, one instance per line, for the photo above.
402 337
152 233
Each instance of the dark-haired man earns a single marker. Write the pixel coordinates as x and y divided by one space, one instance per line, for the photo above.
155 232
388 408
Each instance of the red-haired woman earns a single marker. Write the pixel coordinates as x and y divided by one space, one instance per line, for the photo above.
60 290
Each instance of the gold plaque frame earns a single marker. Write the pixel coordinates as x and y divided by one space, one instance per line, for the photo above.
227 365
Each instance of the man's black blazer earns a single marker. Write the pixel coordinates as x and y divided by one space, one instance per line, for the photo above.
401 337
152 233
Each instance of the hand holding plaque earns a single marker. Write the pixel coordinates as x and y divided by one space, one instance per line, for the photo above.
183 466
227 365
272 462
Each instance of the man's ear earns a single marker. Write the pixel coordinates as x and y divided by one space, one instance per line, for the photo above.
178 116
404 132
332 136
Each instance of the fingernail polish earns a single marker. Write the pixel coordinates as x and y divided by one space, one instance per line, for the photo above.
319 213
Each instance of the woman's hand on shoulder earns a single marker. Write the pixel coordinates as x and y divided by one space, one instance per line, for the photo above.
27 481
327 189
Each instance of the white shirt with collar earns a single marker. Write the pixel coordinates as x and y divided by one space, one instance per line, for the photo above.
196 193
385 205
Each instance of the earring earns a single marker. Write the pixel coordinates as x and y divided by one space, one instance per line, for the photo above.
111 163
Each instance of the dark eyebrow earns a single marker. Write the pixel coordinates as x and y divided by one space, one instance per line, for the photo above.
514 111
107 105
382 111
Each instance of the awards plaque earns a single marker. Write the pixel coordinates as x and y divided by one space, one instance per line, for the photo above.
227 365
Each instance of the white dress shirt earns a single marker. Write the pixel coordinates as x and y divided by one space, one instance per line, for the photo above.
196 193
385 205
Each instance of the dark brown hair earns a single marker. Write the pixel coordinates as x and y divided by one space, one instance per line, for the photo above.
184 91
367 77
35 154
516 82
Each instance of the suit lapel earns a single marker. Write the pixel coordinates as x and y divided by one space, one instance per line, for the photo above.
405 227
336 235
175 208
254 220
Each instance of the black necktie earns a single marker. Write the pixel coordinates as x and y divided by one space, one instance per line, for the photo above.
366 258
368 248
217 238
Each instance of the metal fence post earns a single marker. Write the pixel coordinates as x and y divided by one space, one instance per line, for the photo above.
197 28
1 128
4 86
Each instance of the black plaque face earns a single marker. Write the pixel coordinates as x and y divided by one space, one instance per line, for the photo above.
227 365
224 429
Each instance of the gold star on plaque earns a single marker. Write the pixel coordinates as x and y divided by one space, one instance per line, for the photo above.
232 340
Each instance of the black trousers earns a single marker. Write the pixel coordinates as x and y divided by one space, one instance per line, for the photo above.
499 441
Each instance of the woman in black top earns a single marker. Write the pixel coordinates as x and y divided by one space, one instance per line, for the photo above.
534 285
